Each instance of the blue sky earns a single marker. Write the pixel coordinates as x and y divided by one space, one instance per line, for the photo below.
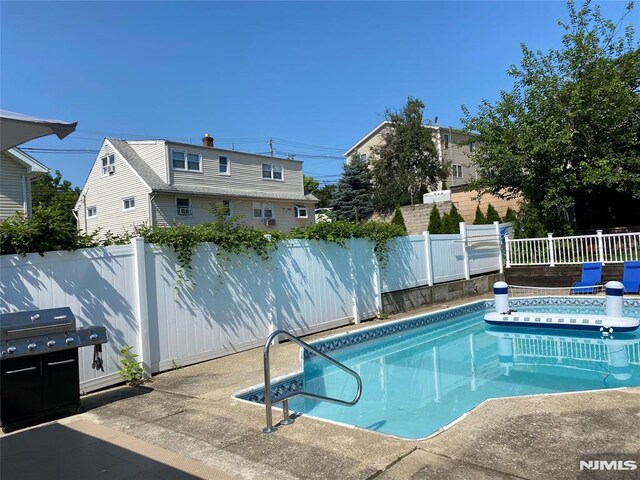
315 77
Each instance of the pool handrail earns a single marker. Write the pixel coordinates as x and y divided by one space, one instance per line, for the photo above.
285 400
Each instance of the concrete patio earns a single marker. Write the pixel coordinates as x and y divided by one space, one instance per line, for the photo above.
189 412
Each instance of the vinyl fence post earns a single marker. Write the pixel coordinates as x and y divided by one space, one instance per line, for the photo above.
427 250
377 279
500 264
552 259
141 306
463 233
507 248
600 246
356 315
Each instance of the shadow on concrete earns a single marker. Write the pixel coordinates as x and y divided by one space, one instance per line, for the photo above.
62 452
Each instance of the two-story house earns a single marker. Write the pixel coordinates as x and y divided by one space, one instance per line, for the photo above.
161 182
17 169
453 146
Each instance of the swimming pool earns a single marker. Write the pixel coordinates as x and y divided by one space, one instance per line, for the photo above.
418 379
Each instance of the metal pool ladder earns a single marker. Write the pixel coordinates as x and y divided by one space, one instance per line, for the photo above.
285 401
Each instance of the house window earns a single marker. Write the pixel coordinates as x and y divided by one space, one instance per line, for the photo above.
446 140
272 171
223 165
262 210
183 206
456 171
472 147
227 205
92 212
181 160
301 211
108 161
129 203
363 157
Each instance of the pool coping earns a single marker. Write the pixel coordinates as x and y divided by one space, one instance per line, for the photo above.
281 382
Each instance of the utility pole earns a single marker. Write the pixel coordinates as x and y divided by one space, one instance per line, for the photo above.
271 146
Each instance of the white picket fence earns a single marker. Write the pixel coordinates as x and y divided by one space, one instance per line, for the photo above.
605 248
229 304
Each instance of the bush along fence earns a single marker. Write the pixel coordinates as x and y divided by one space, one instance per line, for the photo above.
605 248
232 302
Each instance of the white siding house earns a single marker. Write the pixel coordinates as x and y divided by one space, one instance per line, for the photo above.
159 182
17 169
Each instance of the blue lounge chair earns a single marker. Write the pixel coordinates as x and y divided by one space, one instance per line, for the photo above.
591 276
631 277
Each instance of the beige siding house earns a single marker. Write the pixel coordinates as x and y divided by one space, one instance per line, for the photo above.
159 182
453 147
17 169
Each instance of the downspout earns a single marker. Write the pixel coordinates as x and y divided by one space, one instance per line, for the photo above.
152 197
25 201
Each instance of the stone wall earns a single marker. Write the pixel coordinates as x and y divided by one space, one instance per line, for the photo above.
404 300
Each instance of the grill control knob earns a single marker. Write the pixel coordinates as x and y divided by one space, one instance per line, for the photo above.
93 337
11 349
31 346
69 340
51 343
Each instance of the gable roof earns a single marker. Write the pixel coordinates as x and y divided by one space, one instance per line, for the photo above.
139 166
33 165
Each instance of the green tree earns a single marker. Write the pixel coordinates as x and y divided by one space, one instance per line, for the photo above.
326 195
435 221
492 214
510 216
52 192
479 219
353 198
456 218
449 225
406 162
569 126
398 219
310 184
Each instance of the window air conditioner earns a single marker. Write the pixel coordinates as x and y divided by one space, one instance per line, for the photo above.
270 222
111 169
184 211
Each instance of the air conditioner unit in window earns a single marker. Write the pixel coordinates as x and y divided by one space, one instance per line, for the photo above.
270 222
111 169
185 211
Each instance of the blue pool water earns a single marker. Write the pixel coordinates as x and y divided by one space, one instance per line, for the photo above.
420 380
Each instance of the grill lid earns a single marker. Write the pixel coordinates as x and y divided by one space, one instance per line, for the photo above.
36 322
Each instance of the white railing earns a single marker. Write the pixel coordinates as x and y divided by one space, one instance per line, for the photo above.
605 248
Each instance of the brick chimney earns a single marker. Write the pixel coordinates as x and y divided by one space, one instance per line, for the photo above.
207 141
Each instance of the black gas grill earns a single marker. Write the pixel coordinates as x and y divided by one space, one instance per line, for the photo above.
39 363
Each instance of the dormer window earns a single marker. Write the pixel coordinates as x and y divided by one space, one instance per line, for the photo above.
108 164
272 171
181 160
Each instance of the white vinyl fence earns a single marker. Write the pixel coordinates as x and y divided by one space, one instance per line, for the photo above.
428 259
605 248
229 304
